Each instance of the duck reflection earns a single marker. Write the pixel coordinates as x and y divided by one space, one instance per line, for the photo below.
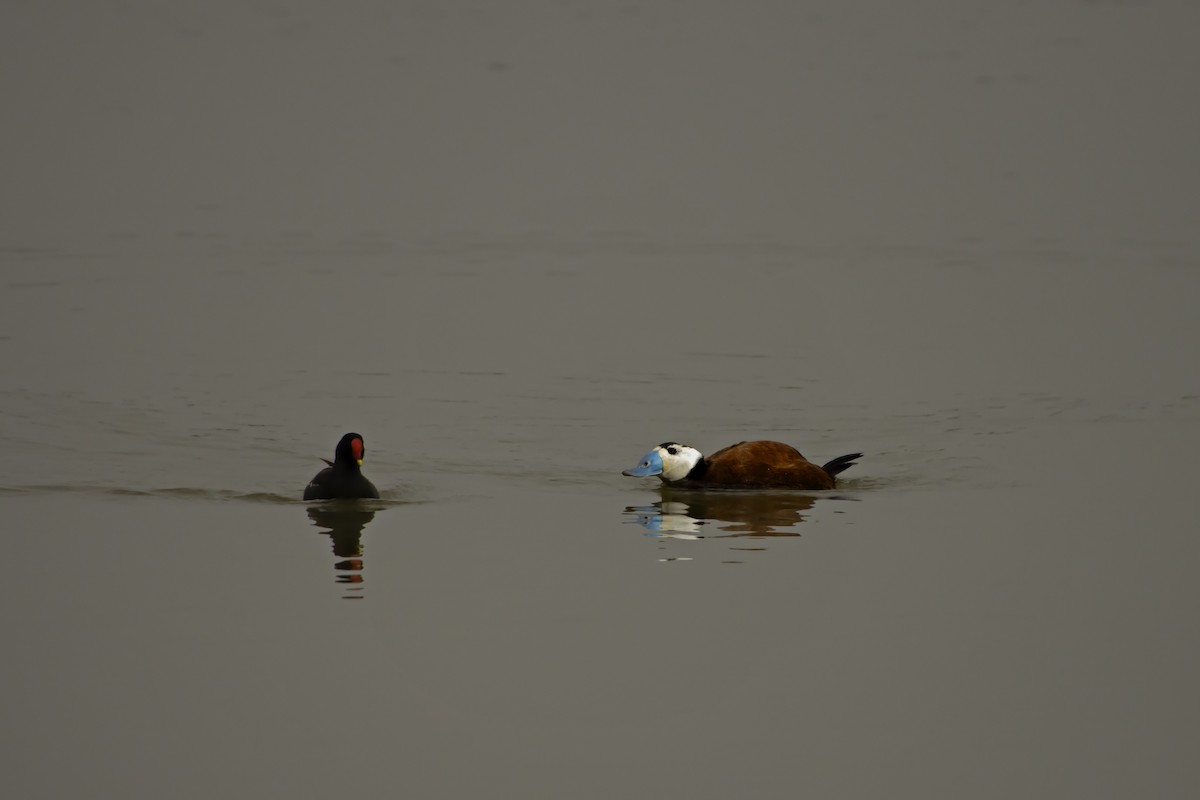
344 525
716 514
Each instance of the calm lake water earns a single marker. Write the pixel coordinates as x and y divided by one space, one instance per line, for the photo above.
515 248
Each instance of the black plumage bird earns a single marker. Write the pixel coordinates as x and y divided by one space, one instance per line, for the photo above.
343 477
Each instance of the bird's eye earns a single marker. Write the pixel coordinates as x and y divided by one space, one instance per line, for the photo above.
672 450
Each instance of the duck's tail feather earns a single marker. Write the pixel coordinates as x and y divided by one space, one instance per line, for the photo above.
841 463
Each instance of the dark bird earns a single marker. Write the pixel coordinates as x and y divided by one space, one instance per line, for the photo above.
745 465
343 477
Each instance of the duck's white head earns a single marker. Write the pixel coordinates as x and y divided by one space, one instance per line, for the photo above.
670 461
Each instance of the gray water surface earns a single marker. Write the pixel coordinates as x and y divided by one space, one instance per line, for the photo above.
515 248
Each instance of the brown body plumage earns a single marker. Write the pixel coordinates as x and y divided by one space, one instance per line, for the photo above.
760 464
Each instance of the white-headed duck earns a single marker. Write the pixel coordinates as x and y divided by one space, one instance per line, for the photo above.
343 477
745 465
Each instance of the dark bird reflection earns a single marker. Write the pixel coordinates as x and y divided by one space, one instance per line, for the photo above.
715 514
344 523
